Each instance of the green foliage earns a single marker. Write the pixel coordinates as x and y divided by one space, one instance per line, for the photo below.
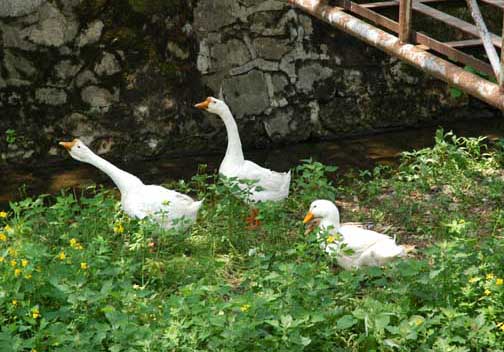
76 274
313 182
10 136
455 92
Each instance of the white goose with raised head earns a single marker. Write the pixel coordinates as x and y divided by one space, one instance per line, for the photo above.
271 185
166 207
369 248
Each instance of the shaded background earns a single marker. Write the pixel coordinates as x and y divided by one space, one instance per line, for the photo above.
123 75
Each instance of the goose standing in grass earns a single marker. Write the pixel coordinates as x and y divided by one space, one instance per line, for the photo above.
166 207
367 248
269 185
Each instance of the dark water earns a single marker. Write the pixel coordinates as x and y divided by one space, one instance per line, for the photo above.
358 152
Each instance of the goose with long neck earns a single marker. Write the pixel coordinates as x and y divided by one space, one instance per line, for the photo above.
234 153
368 248
269 185
166 207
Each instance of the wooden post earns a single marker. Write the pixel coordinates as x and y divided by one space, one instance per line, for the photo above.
346 4
405 20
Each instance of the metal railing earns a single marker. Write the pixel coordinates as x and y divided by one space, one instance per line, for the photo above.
398 38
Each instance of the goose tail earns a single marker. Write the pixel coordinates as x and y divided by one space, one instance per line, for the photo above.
286 184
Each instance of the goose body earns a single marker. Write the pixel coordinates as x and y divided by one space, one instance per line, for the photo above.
166 207
269 185
368 248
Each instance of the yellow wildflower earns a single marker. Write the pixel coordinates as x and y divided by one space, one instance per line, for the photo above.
62 256
499 282
330 239
83 266
245 308
502 327
2 259
35 313
489 276
17 272
14 302
487 292
3 238
118 228
13 263
24 263
7 228
472 280
75 244
3 214
28 276
12 252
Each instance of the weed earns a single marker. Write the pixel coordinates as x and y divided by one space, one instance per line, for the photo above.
77 274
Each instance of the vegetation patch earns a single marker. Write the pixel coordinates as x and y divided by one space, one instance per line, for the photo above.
77 275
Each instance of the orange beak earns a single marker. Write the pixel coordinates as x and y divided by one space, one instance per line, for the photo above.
68 145
204 104
309 217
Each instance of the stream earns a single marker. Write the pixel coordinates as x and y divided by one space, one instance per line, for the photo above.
356 152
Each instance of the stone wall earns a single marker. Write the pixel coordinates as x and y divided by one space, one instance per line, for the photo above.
123 75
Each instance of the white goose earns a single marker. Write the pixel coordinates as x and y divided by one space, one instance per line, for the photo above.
273 185
369 248
166 207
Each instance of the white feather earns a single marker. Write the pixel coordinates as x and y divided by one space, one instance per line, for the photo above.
162 205
269 185
367 248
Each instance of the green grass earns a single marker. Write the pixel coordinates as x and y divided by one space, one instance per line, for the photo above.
78 275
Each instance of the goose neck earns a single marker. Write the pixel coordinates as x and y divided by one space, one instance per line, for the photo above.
234 152
122 179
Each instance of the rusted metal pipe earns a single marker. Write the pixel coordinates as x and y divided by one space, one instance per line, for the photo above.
485 37
439 68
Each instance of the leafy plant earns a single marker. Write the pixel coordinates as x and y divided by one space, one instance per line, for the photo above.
76 274
10 136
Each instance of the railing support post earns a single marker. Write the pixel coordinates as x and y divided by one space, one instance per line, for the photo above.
405 20
485 37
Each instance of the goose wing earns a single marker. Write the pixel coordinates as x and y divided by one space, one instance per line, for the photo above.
274 185
359 239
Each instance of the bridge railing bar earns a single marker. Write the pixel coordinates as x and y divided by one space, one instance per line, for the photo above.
453 22
467 43
484 35
421 38
414 55
392 3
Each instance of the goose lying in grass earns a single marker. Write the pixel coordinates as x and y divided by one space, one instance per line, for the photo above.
269 185
166 207
366 247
